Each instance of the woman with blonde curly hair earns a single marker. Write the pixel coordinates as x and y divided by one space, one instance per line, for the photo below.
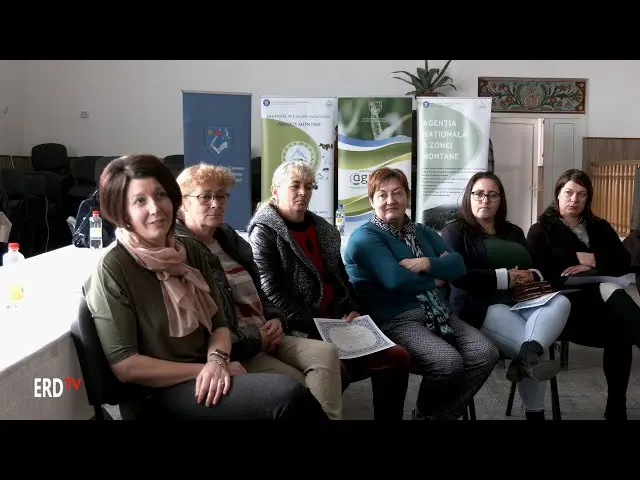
257 326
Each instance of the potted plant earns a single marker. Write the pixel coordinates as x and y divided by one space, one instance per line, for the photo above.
427 82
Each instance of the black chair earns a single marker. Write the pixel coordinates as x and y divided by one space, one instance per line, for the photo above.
83 170
553 383
101 164
175 163
101 384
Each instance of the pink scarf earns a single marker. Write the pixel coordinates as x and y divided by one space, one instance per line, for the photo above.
184 289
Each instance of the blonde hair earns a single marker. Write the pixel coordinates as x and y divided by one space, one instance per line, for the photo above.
203 173
197 175
283 173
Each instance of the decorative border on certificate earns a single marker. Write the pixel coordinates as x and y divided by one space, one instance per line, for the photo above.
325 325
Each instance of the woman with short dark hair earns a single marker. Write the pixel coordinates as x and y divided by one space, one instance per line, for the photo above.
397 268
157 313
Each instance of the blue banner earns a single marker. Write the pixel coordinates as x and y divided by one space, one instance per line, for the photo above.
217 130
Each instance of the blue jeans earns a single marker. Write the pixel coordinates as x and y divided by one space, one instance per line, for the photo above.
508 329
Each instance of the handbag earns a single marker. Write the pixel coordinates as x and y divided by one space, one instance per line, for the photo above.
532 290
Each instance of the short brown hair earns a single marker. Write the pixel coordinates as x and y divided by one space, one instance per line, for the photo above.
115 180
383 175
197 175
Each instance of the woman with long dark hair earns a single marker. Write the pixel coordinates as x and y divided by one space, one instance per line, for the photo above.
498 260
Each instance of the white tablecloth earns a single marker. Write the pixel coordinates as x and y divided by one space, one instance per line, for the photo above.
35 339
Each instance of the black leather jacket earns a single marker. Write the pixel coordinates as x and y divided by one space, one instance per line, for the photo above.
247 340
289 278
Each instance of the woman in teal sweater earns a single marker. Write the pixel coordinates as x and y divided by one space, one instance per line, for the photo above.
398 268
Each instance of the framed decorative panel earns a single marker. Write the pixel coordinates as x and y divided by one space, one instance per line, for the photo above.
535 95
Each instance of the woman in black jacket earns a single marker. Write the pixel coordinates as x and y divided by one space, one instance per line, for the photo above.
302 272
569 240
497 258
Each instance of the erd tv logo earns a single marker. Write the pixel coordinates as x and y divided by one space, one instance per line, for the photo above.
54 387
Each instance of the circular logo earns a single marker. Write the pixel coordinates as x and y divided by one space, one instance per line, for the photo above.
299 150
425 104
266 102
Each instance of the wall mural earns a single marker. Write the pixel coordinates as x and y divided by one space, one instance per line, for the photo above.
535 95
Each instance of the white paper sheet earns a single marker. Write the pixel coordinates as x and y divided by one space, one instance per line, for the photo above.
354 339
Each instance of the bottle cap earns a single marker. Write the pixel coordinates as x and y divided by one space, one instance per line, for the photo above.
95 212
14 246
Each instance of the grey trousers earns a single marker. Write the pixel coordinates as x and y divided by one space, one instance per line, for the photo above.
253 396
450 377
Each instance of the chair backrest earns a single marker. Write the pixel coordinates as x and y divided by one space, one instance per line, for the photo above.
50 157
83 170
101 163
101 384
175 163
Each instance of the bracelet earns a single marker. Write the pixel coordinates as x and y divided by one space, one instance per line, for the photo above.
218 356
220 362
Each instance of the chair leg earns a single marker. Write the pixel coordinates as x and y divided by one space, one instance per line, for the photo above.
472 410
555 400
564 355
99 412
512 396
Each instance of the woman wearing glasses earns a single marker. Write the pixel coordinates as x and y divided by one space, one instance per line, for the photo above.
497 258
259 342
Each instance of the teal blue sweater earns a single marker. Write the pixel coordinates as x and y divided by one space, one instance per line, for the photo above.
386 288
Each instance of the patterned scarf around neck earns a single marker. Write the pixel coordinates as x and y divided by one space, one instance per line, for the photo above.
436 311
185 292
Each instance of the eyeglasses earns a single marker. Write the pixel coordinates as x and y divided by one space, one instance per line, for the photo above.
207 198
479 196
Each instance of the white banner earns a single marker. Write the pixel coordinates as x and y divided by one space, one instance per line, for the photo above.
295 128
453 145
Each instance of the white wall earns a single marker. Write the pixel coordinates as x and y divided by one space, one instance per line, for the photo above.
12 82
136 106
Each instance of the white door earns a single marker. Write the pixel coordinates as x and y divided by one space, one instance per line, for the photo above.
517 149
562 150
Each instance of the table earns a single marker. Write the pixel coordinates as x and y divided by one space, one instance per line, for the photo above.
35 340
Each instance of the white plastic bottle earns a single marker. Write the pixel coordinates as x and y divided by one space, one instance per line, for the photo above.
95 230
12 276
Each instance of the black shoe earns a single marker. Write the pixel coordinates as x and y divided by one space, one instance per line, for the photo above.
616 409
527 364
535 415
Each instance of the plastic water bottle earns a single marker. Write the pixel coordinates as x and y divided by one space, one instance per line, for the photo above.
12 275
340 218
95 230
